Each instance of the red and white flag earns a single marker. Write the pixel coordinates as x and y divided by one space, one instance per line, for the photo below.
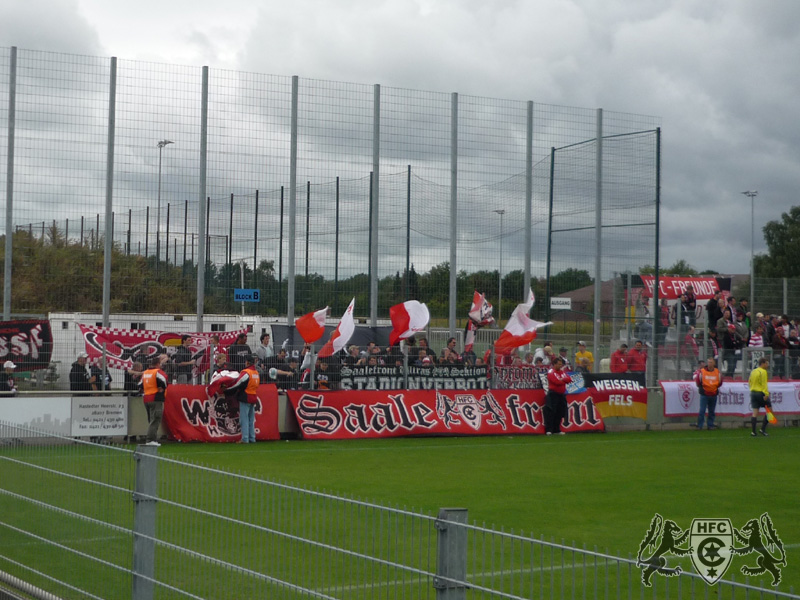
469 335
480 315
520 329
407 318
342 334
311 327
481 310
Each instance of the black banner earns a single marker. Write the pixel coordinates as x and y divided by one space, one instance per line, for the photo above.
615 382
28 344
520 378
419 378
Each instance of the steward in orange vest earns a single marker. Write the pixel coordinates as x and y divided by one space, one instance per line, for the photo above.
154 387
709 380
246 387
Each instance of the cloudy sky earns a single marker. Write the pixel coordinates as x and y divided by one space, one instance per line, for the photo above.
723 75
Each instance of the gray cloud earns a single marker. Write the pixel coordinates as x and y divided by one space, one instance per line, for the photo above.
48 26
722 75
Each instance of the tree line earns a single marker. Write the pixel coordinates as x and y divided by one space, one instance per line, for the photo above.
53 274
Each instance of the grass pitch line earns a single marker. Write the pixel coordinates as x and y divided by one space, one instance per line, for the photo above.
115 538
346 444
471 577
476 576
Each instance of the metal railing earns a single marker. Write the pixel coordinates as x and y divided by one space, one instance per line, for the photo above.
81 520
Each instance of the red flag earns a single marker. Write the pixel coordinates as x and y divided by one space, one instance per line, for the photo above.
220 378
407 319
340 337
520 329
311 327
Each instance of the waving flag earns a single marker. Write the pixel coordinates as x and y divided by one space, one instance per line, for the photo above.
340 337
480 315
481 310
407 319
219 379
311 327
520 329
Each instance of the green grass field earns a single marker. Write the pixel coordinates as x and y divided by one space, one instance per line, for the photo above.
598 491
595 489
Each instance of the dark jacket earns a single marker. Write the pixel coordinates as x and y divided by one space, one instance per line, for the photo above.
236 355
79 378
97 373
182 355
6 383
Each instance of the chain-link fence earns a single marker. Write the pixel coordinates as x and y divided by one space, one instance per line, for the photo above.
314 192
83 520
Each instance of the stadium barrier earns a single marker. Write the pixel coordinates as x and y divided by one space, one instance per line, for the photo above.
89 520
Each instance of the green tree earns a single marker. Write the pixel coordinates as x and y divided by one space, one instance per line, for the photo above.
680 268
783 247
568 280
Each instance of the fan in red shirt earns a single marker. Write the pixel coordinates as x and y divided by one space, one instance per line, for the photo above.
555 408
637 358
619 360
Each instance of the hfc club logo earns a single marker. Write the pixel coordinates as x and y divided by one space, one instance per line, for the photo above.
711 544
710 541
687 392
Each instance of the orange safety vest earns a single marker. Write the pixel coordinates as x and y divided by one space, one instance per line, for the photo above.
152 379
710 380
252 385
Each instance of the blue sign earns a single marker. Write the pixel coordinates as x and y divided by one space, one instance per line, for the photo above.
241 295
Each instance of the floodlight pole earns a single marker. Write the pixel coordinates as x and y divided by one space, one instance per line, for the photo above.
500 212
160 145
752 195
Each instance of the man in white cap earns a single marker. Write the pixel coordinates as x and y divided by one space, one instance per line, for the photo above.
79 380
7 386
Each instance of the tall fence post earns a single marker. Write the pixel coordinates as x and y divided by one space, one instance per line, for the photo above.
526 277
144 522
451 560
202 203
453 213
290 291
598 228
375 212
11 122
109 221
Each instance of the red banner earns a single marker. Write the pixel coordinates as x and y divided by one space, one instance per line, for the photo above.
27 343
190 415
671 288
373 414
123 346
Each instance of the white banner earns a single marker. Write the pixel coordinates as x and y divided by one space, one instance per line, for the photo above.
99 416
682 398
